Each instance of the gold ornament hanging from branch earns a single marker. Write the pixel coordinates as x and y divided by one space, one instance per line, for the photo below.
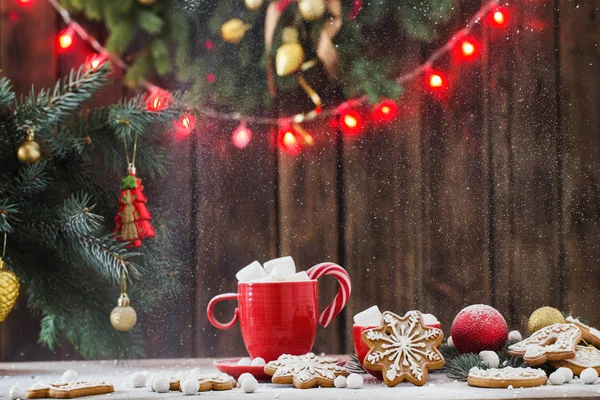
543 317
253 5
9 286
311 10
29 151
290 56
234 30
123 317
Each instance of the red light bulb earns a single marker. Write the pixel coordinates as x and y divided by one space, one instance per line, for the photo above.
385 111
65 39
25 2
436 81
158 100
467 48
186 123
289 141
499 17
351 122
242 136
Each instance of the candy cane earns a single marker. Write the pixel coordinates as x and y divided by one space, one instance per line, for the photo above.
343 294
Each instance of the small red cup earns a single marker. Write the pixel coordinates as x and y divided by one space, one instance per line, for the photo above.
362 349
279 317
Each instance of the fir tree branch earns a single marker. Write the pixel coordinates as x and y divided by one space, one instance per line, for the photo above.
8 216
32 179
7 96
76 218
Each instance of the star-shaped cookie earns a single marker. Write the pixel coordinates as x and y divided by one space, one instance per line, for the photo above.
403 348
554 342
305 371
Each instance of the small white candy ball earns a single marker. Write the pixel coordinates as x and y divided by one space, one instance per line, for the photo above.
195 372
557 378
489 358
450 342
70 376
138 380
244 376
160 384
189 386
151 379
258 362
354 381
567 373
514 336
589 376
246 362
340 382
17 392
249 384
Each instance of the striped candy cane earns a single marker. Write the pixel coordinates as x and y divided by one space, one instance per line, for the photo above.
343 294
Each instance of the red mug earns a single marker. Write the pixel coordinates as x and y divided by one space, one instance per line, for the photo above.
281 317
362 349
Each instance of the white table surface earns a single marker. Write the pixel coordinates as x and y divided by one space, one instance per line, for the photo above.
438 387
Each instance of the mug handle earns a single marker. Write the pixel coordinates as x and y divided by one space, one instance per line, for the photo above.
211 308
343 294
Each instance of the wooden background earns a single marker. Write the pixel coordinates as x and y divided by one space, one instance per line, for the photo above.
490 195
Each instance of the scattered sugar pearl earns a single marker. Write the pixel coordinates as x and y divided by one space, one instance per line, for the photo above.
17 392
450 342
189 386
246 362
340 381
244 376
567 373
514 336
589 376
510 387
258 362
354 381
137 380
160 384
249 384
151 379
489 358
70 376
557 378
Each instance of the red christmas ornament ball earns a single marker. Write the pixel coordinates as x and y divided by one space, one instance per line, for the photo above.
479 327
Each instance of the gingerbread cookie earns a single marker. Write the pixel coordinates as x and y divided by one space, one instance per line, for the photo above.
554 342
40 390
589 334
585 357
505 377
305 371
403 348
68 390
208 382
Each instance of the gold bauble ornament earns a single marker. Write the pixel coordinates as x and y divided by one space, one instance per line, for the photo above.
311 10
29 151
543 317
290 56
9 290
146 2
123 317
253 4
233 31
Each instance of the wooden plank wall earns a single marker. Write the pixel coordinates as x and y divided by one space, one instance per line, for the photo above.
488 194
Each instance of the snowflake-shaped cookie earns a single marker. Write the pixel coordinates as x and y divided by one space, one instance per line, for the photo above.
554 342
305 371
403 348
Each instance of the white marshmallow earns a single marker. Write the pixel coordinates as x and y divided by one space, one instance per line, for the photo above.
354 381
489 358
160 384
283 266
450 342
137 380
246 362
567 373
514 336
194 373
151 379
369 317
258 362
251 272
189 386
298 277
340 382
244 376
17 392
249 385
430 319
588 376
70 376
557 378
267 278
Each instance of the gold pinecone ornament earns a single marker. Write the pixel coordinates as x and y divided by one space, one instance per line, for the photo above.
9 290
543 317
123 317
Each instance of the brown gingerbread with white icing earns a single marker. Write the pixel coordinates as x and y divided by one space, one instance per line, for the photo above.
403 348
69 390
589 334
585 357
506 377
306 371
554 342
208 382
